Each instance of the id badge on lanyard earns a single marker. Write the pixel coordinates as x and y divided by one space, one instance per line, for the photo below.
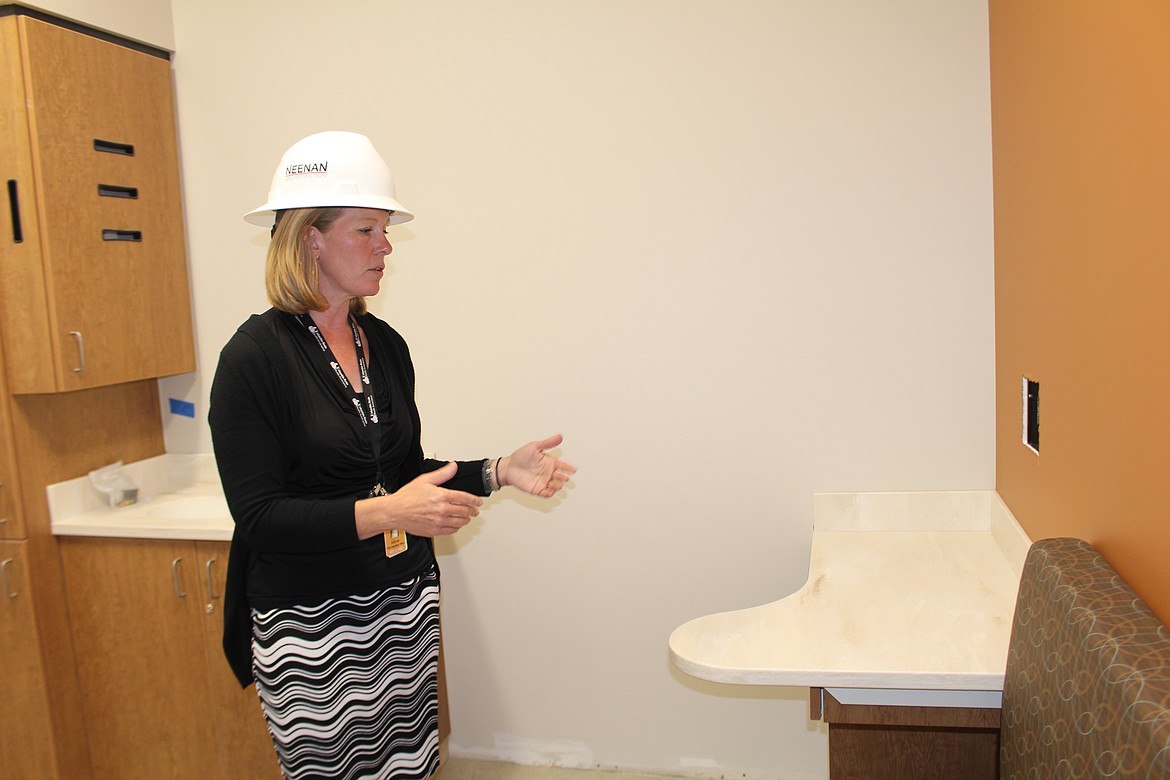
367 409
395 540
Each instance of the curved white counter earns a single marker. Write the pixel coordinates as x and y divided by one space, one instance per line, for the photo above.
179 497
906 592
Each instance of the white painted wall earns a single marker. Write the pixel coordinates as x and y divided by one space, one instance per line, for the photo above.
736 251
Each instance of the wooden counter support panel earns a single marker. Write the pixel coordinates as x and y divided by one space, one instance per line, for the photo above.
870 742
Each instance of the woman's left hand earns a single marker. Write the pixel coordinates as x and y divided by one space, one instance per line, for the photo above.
533 470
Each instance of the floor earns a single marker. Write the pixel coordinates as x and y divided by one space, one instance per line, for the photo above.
469 769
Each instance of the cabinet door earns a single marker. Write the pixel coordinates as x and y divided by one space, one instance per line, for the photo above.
11 519
112 304
23 306
245 749
136 614
11 516
11 522
25 727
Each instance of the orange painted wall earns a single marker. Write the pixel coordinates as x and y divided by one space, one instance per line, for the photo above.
1080 95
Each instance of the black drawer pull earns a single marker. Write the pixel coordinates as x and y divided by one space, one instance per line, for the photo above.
114 191
109 234
113 147
14 206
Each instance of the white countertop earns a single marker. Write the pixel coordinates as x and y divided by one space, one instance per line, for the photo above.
906 591
179 497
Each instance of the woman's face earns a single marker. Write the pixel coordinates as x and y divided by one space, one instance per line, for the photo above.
351 254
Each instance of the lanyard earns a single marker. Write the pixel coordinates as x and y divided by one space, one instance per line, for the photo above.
363 402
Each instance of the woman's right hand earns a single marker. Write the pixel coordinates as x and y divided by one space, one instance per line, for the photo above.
421 507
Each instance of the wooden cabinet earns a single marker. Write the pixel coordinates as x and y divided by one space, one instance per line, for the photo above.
11 518
158 697
883 742
94 300
245 749
92 250
11 521
25 725
59 436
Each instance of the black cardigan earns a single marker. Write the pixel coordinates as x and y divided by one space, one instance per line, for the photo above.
292 499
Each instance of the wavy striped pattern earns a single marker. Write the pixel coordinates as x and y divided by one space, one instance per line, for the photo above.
349 687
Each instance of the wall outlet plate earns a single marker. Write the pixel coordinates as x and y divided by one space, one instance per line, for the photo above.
1031 404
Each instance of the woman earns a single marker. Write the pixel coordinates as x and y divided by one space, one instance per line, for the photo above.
332 600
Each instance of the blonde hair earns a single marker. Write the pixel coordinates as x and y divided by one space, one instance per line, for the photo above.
290 272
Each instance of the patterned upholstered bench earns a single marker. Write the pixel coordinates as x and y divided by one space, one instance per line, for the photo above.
1087 689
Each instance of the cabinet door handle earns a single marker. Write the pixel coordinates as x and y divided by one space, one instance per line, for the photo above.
14 209
211 594
8 592
175 577
76 334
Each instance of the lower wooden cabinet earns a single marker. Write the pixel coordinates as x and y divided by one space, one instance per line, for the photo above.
158 697
245 749
884 742
25 726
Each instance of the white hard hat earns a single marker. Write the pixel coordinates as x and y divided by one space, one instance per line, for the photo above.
334 168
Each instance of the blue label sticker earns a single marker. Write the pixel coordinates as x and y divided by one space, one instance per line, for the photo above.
184 408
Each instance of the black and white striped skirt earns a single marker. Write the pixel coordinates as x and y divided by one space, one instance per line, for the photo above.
350 687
